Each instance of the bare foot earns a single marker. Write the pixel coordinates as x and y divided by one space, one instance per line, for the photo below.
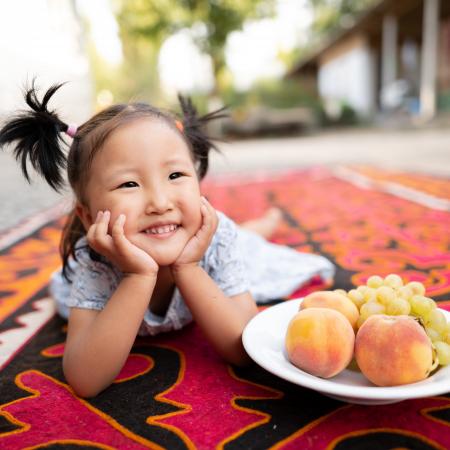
266 224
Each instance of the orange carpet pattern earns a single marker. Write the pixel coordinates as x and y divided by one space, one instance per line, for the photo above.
173 391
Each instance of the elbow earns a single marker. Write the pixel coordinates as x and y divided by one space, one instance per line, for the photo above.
81 385
84 390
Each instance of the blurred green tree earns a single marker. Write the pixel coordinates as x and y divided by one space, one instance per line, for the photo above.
332 14
149 22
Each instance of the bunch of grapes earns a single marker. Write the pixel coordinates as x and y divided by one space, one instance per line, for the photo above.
391 296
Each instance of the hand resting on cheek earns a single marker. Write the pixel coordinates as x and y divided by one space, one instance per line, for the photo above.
129 258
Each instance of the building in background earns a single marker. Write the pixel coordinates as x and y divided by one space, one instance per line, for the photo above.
44 39
396 56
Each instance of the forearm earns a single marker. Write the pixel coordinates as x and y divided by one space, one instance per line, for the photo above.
95 355
221 318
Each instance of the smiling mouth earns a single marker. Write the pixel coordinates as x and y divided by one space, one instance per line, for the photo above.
161 230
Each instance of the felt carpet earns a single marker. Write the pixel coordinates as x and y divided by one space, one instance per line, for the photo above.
173 391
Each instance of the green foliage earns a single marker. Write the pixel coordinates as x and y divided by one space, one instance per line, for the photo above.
332 14
146 24
345 117
156 20
272 93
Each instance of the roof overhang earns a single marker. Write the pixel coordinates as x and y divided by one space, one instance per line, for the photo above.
369 23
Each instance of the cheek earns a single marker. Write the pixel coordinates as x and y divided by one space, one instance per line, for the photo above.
130 222
197 216
115 212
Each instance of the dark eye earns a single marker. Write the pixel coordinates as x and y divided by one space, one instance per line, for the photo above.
175 175
128 184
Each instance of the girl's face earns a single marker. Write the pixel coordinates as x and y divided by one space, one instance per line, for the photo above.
145 171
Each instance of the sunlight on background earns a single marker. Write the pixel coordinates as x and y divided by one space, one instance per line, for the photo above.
29 50
251 53
182 67
31 42
104 29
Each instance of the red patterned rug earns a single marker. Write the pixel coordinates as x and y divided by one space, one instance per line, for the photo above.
174 392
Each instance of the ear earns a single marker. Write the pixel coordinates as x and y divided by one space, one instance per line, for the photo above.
84 215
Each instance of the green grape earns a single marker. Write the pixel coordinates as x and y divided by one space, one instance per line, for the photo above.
393 281
398 306
416 287
371 308
341 291
405 292
420 305
385 294
433 304
370 295
446 334
356 297
362 289
443 352
446 337
433 334
436 319
374 281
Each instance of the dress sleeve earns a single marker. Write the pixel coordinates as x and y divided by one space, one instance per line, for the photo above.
223 260
93 282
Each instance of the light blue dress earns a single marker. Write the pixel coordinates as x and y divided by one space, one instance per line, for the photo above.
237 260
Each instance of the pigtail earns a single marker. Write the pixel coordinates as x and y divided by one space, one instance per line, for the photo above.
36 134
194 130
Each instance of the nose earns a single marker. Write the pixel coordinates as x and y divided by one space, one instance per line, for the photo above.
158 200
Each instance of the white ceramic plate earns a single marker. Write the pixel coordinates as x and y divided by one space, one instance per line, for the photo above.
263 340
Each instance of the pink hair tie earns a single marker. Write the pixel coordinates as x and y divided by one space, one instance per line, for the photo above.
179 125
71 130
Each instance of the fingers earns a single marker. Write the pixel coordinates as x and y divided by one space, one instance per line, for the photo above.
102 221
97 234
117 248
118 234
101 241
117 229
210 219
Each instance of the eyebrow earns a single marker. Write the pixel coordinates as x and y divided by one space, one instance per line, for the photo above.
112 177
125 171
176 160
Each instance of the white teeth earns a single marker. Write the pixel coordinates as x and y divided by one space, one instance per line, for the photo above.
162 229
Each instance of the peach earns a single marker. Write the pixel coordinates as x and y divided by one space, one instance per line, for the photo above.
393 350
333 300
320 341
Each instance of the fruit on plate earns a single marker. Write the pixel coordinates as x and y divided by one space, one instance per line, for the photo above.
320 341
392 296
333 300
394 350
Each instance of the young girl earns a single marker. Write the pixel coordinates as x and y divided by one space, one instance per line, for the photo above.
143 251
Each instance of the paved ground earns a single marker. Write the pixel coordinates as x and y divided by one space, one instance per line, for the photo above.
426 150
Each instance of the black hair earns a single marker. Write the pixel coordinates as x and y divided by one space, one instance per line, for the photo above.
37 136
194 130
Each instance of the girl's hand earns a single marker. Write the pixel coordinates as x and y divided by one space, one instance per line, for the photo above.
117 248
196 247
